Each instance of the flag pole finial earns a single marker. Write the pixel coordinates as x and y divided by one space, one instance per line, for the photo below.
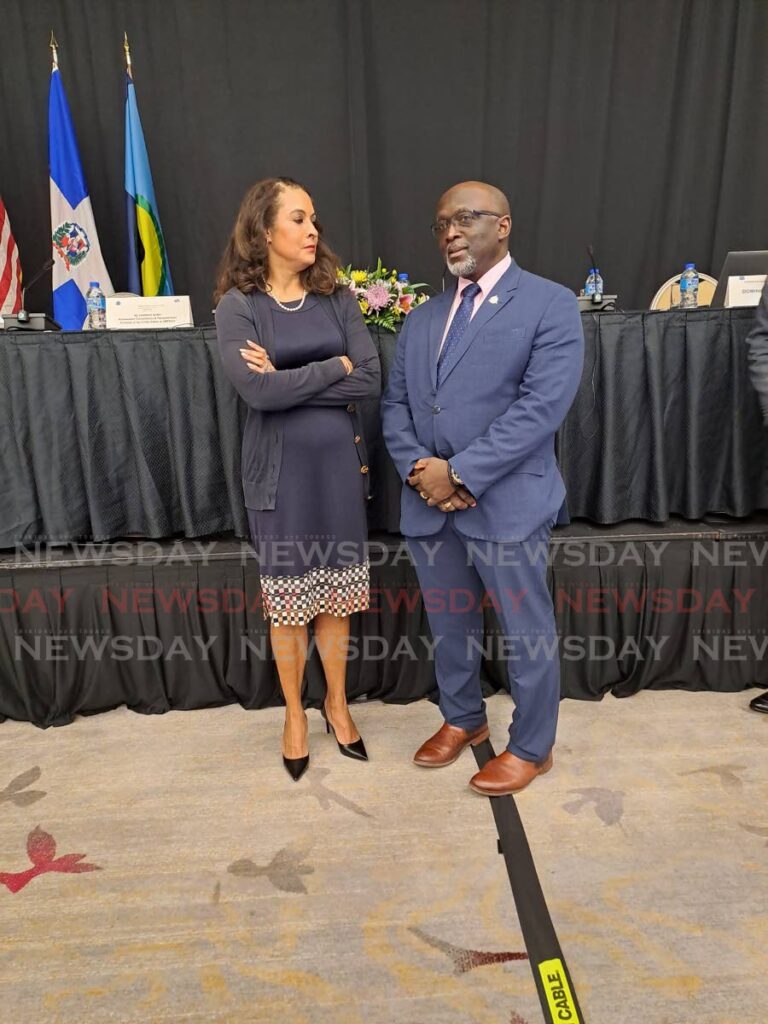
54 51
127 49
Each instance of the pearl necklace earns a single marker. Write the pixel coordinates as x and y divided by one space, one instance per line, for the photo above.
290 309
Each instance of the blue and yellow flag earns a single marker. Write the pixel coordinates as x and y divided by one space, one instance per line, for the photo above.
148 270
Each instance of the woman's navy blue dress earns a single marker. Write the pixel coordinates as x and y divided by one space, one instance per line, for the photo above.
312 546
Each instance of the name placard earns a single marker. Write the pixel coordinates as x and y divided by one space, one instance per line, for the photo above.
135 312
745 290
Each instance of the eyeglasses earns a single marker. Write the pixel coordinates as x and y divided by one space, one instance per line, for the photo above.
462 219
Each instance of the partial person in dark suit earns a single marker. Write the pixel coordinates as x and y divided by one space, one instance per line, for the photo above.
757 343
483 376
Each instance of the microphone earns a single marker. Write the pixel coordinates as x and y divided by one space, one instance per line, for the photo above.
22 316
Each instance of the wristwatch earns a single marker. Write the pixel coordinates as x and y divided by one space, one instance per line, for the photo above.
454 477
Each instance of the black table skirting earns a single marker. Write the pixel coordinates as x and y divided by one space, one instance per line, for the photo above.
639 608
104 435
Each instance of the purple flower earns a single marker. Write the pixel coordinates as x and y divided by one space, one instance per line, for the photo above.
377 297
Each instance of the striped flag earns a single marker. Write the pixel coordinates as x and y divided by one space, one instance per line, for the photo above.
76 250
148 270
10 268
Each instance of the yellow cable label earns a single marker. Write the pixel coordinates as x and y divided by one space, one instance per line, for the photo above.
559 996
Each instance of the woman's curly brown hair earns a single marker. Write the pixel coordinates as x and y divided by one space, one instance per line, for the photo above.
245 263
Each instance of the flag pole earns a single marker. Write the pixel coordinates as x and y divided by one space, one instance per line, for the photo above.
54 52
127 49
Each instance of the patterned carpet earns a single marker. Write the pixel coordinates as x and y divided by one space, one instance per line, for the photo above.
166 869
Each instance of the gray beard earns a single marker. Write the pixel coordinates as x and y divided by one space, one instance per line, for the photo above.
462 268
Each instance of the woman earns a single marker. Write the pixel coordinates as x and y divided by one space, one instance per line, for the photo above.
294 344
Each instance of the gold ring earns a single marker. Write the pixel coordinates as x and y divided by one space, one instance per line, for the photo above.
423 494
448 506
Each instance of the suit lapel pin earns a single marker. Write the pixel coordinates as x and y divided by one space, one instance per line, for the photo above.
493 299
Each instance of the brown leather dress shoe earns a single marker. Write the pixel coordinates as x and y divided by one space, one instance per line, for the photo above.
508 774
448 742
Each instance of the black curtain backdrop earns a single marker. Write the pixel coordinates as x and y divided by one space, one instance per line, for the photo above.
637 125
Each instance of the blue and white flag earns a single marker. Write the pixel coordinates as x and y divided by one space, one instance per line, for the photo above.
76 250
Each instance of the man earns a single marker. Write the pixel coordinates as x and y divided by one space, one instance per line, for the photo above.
482 379
757 343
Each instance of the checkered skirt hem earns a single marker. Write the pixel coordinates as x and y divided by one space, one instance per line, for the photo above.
296 600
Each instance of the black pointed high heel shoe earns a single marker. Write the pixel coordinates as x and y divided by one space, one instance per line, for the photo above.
356 750
296 766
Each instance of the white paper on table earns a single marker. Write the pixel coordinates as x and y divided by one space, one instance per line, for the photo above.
744 290
132 313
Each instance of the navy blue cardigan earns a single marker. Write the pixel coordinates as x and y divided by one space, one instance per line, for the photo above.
268 395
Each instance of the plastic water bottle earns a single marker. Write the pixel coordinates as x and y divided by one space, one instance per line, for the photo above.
689 287
594 285
96 304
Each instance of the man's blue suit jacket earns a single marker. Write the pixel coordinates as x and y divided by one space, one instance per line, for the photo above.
504 391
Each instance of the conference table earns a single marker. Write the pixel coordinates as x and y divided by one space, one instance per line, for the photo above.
109 434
